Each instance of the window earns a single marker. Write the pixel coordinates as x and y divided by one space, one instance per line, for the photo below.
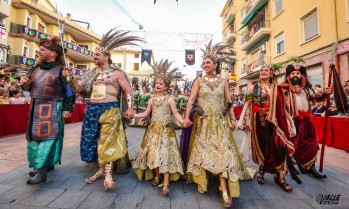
29 22
136 66
25 51
280 44
310 25
41 28
136 55
243 66
278 6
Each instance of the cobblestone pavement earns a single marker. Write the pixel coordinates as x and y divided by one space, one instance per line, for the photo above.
66 187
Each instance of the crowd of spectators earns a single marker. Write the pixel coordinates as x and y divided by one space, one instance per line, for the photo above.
319 105
10 89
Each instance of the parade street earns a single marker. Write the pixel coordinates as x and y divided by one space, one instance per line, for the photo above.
66 187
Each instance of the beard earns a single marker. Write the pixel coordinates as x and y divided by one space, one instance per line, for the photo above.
295 81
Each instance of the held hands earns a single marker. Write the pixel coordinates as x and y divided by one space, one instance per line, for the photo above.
186 123
233 124
129 113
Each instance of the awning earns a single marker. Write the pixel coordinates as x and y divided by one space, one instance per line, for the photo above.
256 9
258 44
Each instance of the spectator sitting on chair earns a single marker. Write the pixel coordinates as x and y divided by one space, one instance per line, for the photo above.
17 98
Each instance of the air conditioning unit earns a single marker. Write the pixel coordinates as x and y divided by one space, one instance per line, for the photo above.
262 48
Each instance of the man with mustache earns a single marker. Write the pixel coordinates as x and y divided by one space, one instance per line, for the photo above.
295 94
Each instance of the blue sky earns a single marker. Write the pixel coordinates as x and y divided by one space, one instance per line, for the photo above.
168 27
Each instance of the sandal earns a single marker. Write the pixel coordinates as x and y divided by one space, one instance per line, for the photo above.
260 175
155 182
97 175
226 200
108 181
283 184
165 190
200 189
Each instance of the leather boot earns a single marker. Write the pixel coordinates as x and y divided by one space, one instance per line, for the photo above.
39 177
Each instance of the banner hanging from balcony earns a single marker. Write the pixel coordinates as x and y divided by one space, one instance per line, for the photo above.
27 61
190 56
146 56
79 49
34 33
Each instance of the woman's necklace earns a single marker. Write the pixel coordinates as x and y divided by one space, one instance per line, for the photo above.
212 82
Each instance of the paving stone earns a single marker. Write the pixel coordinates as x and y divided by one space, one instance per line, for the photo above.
184 202
73 183
247 191
70 199
42 197
208 201
4 188
17 194
145 188
243 203
127 201
100 200
9 206
156 202
277 203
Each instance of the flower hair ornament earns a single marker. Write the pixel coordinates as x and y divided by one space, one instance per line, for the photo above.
162 70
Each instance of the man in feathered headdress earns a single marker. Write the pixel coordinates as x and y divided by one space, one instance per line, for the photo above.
52 100
295 94
103 136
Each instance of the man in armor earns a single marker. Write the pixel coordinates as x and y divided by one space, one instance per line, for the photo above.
52 100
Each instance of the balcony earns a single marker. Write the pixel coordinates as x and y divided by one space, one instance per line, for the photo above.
229 15
22 31
229 37
50 17
254 67
256 35
5 9
78 53
20 61
252 7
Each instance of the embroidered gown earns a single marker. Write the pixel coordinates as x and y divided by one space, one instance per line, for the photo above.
212 146
159 147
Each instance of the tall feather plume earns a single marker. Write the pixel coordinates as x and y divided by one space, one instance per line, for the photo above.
162 70
116 38
218 53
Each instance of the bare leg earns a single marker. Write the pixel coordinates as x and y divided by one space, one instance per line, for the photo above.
156 180
108 181
97 175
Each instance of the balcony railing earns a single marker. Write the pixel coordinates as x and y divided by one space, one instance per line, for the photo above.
253 29
229 37
28 33
78 49
245 10
262 60
20 60
229 14
34 35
